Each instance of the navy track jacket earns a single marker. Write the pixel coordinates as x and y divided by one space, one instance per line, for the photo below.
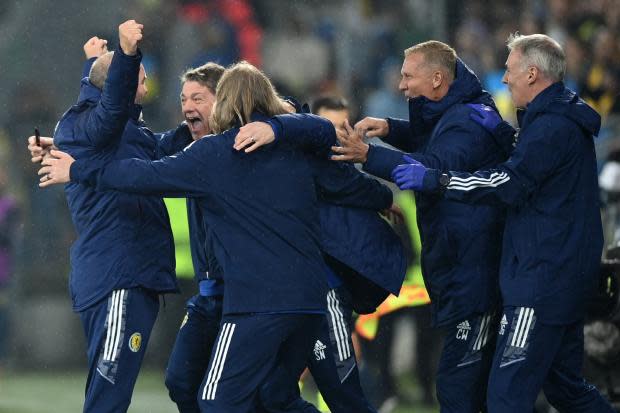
553 238
460 242
203 260
261 208
124 240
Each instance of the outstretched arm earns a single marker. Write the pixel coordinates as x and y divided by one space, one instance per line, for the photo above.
342 184
536 157
182 175
310 133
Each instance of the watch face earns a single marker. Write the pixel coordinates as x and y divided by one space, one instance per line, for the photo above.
444 179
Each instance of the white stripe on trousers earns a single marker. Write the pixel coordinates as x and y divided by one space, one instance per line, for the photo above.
339 325
115 318
523 325
526 331
483 334
215 372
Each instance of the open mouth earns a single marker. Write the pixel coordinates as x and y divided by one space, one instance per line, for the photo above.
195 123
192 120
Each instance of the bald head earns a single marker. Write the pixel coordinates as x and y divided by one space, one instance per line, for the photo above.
99 73
99 70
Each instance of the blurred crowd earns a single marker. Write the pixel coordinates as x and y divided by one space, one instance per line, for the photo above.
350 48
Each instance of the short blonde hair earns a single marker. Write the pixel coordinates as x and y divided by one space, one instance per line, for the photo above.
436 54
242 90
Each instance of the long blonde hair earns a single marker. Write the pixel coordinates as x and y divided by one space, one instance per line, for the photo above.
243 89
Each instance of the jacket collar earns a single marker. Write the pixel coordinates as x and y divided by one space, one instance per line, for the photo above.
559 100
425 113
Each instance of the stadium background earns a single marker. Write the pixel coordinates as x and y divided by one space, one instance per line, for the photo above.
308 47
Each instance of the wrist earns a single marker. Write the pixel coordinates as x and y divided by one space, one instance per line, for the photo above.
276 127
128 51
365 153
435 179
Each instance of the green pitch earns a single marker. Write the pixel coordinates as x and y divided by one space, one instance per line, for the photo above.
64 392
36 392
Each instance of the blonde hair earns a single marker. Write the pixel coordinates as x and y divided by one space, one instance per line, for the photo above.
436 54
242 90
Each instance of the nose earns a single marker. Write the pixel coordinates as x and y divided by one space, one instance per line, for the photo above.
187 106
402 86
505 78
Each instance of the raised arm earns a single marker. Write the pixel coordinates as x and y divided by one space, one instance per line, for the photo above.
107 121
93 48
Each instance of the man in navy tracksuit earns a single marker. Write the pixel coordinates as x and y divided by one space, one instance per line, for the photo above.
366 262
553 237
460 258
190 355
199 328
276 231
124 255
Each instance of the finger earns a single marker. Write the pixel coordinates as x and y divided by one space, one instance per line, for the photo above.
58 154
48 161
35 150
348 127
373 133
36 159
252 148
362 125
44 170
47 183
341 158
340 150
342 134
242 142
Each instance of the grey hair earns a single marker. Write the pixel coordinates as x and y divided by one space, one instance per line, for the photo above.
99 70
542 52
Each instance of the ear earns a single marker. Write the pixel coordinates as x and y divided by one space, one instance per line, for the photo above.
532 74
437 79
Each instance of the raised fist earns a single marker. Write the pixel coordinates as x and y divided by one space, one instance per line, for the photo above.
130 34
95 47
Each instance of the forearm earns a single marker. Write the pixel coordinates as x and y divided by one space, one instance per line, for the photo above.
309 132
381 161
400 135
107 121
128 175
493 186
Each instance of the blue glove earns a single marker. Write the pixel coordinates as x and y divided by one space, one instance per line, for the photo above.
409 175
484 115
